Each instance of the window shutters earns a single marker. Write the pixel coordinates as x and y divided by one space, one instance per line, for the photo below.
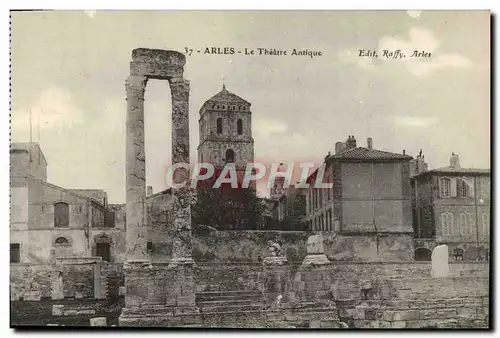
453 187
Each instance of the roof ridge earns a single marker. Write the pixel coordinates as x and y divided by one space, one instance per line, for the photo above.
69 191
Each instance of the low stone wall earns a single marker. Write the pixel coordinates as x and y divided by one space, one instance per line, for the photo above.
227 276
78 275
21 276
75 312
407 298
233 276
211 245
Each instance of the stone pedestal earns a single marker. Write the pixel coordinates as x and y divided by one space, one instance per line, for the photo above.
57 286
276 281
181 291
315 253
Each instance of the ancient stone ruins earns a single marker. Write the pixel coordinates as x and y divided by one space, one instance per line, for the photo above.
172 273
316 292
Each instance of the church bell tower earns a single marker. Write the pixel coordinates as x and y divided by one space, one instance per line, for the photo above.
226 131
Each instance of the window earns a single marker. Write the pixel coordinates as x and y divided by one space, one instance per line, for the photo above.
149 246
61 215
219 125
445 187
15 253
458 254
466 224
61 241
229 156
447 223
462 188
239 125
422 254
485 226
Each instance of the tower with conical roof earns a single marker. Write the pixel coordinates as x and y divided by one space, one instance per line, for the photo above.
226 131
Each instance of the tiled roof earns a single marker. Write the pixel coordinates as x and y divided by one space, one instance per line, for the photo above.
360 153
227 97
455 170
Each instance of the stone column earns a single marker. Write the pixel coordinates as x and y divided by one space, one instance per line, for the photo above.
181 291
136 170
182 197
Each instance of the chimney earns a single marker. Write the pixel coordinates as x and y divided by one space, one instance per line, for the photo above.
369 143
351 142
454 161
149 190
339 147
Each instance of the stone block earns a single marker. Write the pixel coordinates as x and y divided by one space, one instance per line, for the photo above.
98 321
70 312
466 311
399 324
446 313
315 324
57 310
439 257
33 295
447 324
86 312
122 291
315 245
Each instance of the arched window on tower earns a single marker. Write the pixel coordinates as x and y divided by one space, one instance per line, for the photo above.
219 125
61 215
229 156
240 126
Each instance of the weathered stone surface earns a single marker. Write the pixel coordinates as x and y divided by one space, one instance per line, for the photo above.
57 310
33 295
315 245
136 170
98 321
57 286
315 253
440 267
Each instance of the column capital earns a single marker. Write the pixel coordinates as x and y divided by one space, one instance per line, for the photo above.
135 86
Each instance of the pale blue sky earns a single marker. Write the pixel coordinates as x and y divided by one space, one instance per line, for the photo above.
70 68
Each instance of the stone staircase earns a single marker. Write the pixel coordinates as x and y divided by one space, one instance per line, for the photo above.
229 301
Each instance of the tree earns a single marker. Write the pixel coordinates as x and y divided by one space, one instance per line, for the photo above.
227 208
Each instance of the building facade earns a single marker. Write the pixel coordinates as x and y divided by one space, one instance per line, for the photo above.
451 205
370 193
49 222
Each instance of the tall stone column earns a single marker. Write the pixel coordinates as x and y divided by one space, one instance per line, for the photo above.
180 292
136 171
182 197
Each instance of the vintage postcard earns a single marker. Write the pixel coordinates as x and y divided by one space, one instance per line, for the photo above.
250 169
